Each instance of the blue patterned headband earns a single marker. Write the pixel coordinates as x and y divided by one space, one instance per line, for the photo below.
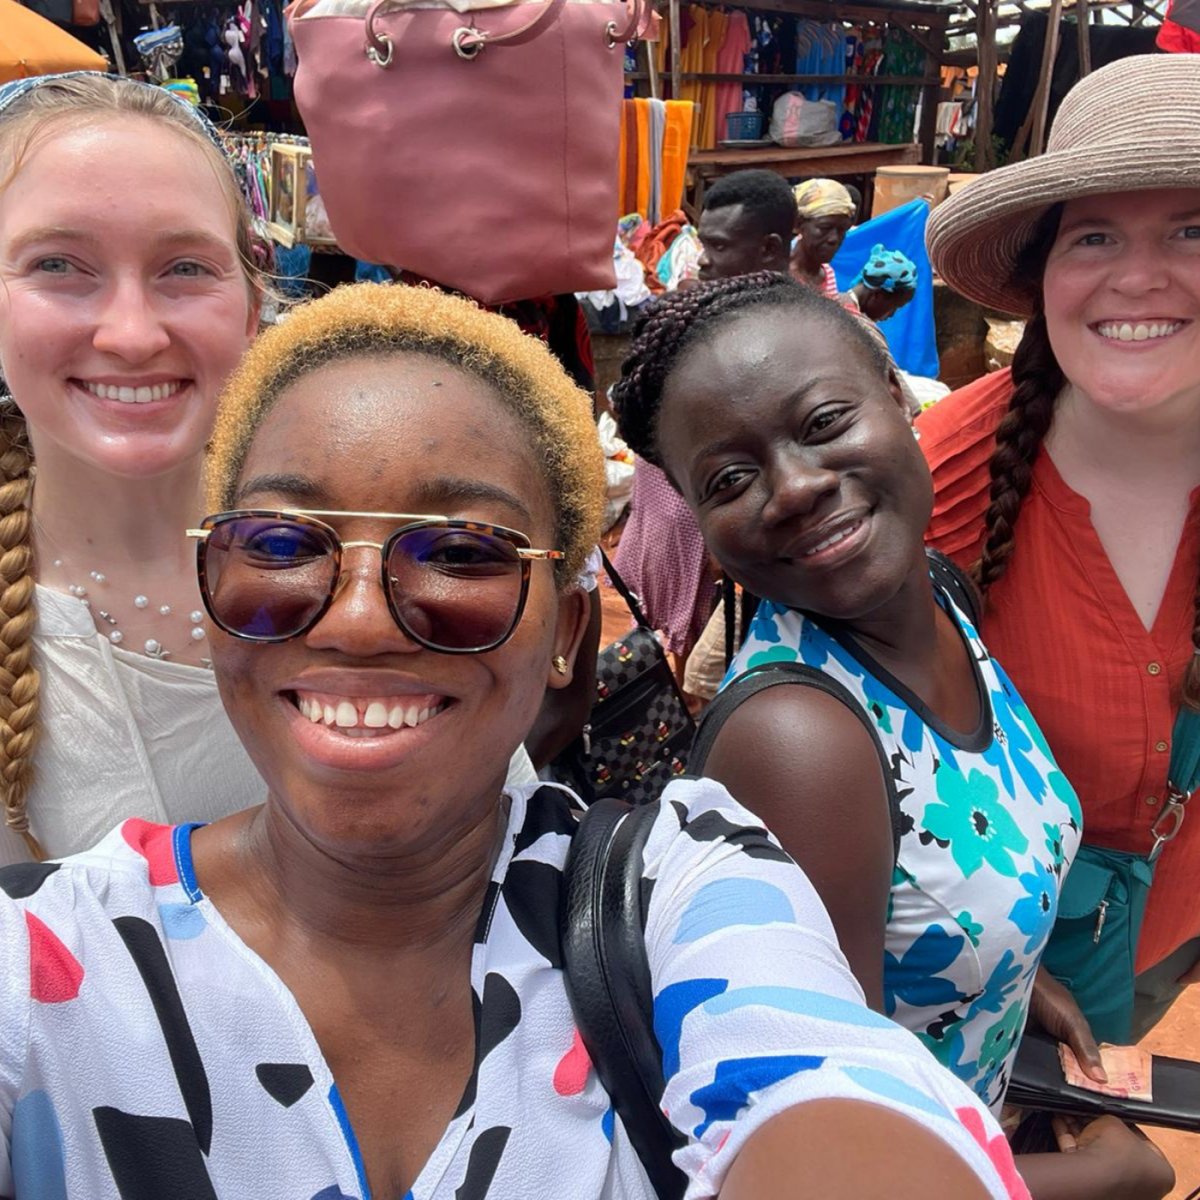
10 93
888 271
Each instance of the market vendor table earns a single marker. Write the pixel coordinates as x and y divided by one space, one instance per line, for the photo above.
850 158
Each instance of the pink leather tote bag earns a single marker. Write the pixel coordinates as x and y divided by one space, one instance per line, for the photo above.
477 149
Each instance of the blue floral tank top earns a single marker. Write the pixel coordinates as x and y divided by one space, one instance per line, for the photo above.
989 826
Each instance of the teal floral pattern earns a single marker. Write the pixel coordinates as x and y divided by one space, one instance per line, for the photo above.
990 826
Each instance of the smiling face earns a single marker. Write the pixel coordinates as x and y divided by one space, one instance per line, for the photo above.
123 303
407 434
792 449
1122 298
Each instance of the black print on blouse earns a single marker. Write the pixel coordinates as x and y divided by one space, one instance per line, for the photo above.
468 1096
481 1167
152 1158
533 893
501 1013
753 842
484 925
284 1082
22 880
547 814
150 958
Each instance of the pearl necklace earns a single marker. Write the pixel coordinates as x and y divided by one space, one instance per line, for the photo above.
152 648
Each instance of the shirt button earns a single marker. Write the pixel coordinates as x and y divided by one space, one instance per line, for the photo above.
1151 799
1161 747
1154 669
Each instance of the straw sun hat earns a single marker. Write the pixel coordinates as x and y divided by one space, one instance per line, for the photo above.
1131 126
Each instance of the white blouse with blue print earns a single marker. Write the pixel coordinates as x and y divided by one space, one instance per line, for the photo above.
147 1052
989 826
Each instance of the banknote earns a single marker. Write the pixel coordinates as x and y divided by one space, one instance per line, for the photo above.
1128 1069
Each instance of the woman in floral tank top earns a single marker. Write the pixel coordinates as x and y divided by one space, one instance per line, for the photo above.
908 778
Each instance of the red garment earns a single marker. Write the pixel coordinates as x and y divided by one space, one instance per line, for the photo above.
1104 690
731 60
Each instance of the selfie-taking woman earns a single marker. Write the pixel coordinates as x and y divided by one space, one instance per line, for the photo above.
356 989
904 773
124 306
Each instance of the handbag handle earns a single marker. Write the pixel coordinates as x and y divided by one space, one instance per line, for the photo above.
467 42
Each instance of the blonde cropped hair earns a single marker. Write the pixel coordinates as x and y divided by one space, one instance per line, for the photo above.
369 320
59 100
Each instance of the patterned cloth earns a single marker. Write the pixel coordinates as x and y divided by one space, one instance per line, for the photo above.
989 828
663 559
139 1029
823 198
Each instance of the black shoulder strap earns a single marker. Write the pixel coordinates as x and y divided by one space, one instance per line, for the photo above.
768 675
607 976
622 590
957 584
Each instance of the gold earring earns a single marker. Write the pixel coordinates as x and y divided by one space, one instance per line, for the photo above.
559 664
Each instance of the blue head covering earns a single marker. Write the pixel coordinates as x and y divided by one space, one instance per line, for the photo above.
888 271
11 92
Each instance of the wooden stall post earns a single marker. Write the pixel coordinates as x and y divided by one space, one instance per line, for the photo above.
1041 101
1083 17
676 50
985 82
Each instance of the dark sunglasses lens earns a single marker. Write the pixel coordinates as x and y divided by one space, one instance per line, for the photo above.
456 589
267 577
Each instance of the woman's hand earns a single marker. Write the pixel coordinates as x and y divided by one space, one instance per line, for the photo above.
1137 1167
1054 1009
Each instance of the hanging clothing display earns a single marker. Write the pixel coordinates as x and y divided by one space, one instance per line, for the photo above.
652 164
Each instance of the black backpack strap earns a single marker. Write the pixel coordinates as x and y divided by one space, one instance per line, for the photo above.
623 590
768 675
957 584
607 976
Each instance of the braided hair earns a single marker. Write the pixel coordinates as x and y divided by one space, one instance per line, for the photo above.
667 328
1039 381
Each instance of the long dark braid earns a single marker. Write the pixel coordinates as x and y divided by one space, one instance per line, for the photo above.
673 323
1039 380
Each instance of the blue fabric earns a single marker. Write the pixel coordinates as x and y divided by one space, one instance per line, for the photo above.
910 333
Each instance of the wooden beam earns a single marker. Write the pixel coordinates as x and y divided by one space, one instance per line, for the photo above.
832 80
676 50
1042 101
985 83
1083 20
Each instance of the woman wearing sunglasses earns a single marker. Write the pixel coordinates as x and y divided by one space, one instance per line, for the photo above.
124 306
356 990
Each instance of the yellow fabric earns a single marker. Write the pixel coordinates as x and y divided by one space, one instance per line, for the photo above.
642 108
677 138
822 198
692 61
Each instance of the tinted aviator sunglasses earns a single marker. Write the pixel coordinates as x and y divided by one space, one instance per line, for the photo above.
457 587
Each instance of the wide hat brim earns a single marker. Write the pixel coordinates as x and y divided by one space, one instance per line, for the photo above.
976 237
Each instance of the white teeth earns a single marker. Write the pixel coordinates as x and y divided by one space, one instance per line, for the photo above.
356 717
833 540
132 395
1123 331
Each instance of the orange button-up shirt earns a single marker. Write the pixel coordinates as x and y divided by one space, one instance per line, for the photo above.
1104 689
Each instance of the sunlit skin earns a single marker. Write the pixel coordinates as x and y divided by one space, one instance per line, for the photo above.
360 880
132 280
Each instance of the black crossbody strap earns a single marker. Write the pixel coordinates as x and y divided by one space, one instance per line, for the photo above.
957 584
607 978
623 591
768 675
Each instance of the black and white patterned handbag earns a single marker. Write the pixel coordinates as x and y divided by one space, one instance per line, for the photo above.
637 737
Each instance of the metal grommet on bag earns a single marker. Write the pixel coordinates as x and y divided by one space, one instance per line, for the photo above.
610 32
465 49
382 59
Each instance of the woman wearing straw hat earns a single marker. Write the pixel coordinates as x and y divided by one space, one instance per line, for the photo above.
1070 485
